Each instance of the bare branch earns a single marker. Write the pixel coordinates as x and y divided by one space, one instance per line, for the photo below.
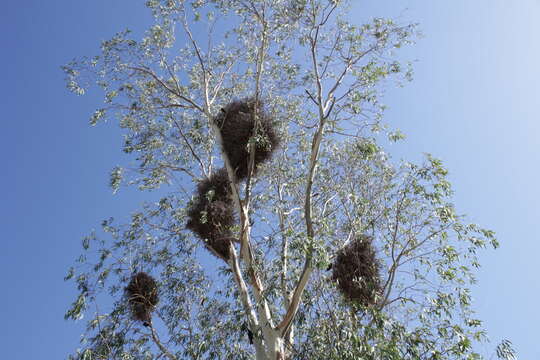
166 87
203 169
161 347
315 147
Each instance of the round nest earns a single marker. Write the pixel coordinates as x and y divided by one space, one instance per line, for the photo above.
142 295
211 214
356 271
236 122
216 187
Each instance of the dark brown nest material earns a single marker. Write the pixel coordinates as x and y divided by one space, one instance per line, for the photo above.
356 271
211 214
142 295
236 122
216 187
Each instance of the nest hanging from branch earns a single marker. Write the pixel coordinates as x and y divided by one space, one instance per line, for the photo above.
356 271
216 187
142 296
236 122
211 214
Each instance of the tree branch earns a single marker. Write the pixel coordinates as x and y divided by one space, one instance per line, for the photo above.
161 347
285 324
166 87
244 296
190 147
246 251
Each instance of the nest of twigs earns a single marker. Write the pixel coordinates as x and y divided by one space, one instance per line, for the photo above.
211 214
142 296
356 271
216 187
236 122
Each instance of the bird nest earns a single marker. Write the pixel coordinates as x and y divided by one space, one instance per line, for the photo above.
142 296
236 122
216 187
356 271
211 214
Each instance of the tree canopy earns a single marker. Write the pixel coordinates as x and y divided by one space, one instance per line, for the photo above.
284 229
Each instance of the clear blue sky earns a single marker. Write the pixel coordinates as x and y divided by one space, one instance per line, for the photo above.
473 103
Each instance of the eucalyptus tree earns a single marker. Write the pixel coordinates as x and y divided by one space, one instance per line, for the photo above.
274 294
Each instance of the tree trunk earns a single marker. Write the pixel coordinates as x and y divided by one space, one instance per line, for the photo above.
275 347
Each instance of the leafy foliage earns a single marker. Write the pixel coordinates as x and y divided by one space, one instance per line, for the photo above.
330 180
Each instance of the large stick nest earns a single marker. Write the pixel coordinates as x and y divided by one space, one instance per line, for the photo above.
211 214
236 122
142 296
356 271
217 186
